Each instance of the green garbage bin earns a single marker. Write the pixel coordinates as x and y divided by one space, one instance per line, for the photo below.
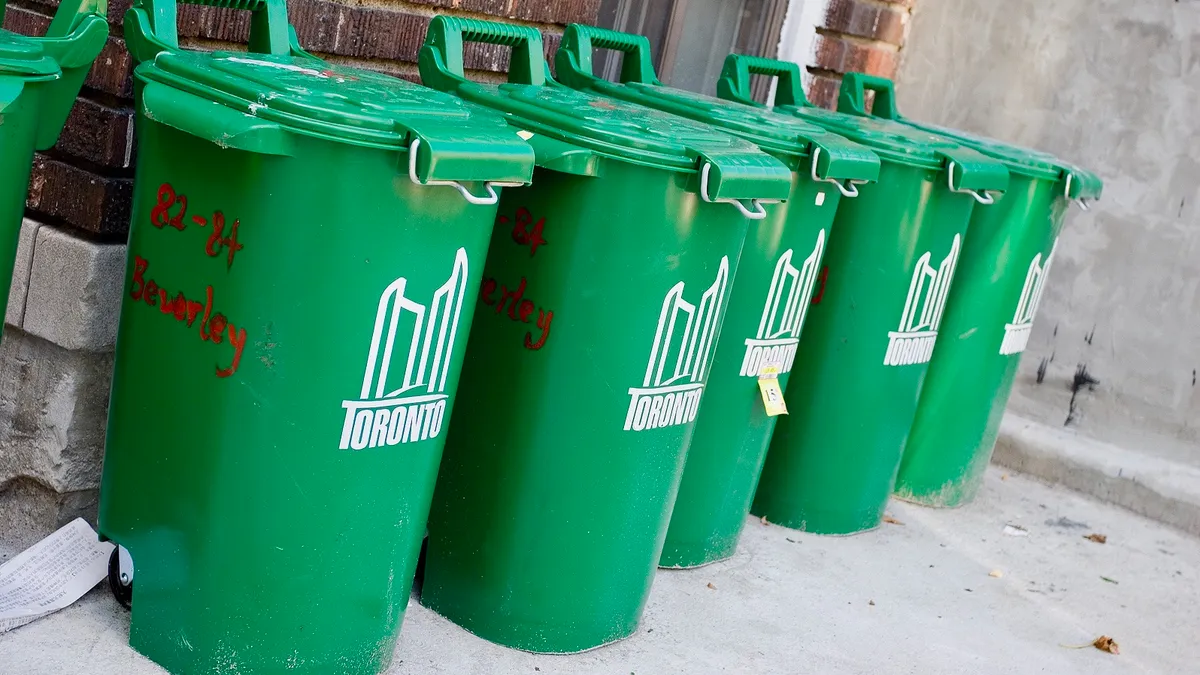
39 80
305 253
775 281
603 296
872 328
989 315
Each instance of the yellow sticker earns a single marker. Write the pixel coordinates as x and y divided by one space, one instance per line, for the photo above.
772 396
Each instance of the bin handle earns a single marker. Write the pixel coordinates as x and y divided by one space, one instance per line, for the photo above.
441 57
490 186
759 211
850 189
984 197
852 99
574 57
151 27
734 84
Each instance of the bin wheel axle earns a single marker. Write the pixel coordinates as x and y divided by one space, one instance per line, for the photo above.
120 577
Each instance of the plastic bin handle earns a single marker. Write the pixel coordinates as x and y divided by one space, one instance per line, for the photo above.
574 57
734 84
970 172
151 27
74 39
441 59
852 99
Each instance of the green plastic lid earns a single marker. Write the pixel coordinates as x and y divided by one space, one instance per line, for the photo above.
24 57
1025 161
890 140
785 136
729 168
614 128
310 97
313 97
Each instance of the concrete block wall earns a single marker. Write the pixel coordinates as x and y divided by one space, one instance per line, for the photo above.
1114 86
55 373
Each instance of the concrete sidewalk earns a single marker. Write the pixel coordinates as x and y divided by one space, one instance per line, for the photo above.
1137 478
794 603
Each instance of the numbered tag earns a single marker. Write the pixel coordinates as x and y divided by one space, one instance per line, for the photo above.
772 393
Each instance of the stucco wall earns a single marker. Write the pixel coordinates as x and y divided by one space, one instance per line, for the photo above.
1113 85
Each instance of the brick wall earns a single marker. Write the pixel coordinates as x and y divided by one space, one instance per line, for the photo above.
85 182
856 36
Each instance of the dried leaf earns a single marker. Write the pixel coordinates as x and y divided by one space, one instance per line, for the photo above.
1004 476
1107 644
1098 538
891 520
763 520
1015 531
710 585
1104 643
995 574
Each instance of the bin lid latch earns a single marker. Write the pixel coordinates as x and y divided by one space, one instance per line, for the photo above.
454 156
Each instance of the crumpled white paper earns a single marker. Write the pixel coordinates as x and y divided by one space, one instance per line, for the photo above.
52 574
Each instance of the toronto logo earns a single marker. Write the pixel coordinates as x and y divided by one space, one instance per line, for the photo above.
783 313
670 392
411 408
1016 334
913 341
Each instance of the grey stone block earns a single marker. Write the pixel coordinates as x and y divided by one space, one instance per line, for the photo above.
74 291
15 312
53 412
29 511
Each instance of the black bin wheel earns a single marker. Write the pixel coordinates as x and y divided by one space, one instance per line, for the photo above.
122 589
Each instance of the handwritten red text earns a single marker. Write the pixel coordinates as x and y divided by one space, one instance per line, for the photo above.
214 327
519 309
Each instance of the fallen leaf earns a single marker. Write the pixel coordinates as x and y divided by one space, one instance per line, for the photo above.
763 520
1003 476
1104 643
1107 644
891 520
1111 581
996 574
1015 531
871 603
710 585
1098 538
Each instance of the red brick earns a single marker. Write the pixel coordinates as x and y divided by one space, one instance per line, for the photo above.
89 201
25 21
844 55
116 10
541 11
98 134
867 19
823 90
112 73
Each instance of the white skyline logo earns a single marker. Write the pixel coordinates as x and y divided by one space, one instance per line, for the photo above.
388 412
913 341
674 380
1016 334
783 313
